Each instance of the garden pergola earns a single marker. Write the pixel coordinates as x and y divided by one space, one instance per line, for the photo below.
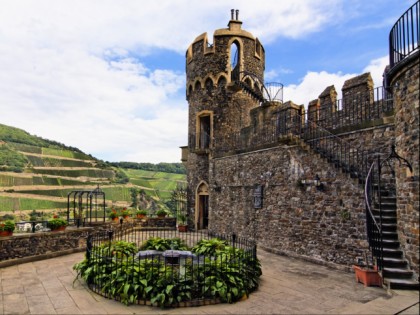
86 206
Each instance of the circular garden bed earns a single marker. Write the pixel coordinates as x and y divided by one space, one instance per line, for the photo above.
170 269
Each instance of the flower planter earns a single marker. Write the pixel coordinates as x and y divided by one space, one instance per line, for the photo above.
161 216
141 216
115 220
369 277
183 228
5 233
61 228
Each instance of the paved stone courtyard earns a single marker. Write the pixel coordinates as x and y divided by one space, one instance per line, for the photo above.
288 286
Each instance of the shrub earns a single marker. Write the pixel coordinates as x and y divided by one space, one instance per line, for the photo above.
56 223
8 226
162 244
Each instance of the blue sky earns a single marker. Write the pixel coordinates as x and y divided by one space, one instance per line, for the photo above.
108 76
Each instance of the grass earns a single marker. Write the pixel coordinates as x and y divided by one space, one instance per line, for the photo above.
50 154
51 162
9 180
12 203
95 173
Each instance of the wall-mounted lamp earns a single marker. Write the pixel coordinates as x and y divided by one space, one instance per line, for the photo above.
317 183
216 187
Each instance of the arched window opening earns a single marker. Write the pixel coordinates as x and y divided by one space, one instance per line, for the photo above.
222 81
209 85
234 60
197 86
204 128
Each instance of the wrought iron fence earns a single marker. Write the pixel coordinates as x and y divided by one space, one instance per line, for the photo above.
404 38
188 274
353 109
316 128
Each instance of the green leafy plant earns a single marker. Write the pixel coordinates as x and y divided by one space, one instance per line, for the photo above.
182 219
125 212
162 244
113 214
7 225
209 247
161 212
114 268
142 212
56 223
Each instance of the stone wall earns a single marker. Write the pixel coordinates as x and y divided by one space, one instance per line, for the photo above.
405 88
296 219
21 245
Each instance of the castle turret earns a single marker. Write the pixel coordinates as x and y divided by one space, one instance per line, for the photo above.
218 105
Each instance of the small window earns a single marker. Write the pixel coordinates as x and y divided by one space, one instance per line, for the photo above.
204 129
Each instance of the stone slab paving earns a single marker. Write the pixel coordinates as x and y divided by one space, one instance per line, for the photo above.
288 286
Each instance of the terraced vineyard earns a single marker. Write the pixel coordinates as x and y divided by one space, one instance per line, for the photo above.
37 174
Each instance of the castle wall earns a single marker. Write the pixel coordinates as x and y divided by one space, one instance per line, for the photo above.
405 85
296 219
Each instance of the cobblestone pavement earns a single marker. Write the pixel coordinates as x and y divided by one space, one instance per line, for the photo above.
288 286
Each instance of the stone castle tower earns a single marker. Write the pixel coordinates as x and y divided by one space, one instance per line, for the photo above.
218 109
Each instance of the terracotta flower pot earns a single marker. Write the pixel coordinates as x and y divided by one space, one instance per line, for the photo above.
183 228
141 216
61 228
369 277
5 233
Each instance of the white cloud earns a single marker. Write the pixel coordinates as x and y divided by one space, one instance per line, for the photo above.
314 83
74 71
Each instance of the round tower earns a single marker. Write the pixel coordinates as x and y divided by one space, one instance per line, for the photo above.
224 82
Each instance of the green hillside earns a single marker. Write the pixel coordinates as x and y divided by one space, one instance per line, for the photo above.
37 174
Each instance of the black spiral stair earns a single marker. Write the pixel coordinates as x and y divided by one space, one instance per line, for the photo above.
381 213
381 201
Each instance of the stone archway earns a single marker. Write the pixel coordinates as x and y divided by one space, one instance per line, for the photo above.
202 206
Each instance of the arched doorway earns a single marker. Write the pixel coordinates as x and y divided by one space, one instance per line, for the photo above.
202 206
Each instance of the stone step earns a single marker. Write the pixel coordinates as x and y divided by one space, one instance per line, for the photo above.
389 227
401 284
386 219
391 262
390 235
392 252
397 273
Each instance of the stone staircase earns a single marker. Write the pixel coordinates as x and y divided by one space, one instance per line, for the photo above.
395 272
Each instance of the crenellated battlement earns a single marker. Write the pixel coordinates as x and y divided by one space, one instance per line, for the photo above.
361 106
233 49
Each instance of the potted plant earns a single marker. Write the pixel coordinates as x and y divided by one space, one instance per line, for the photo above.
367 274
182 223
7 228
125 213
113 215
141 214
57 224
161 213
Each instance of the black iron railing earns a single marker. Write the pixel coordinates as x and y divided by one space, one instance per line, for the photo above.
380 184
374 225
353 109
358 110
187 274
404 37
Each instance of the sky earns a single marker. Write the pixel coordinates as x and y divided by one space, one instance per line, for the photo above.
108 76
